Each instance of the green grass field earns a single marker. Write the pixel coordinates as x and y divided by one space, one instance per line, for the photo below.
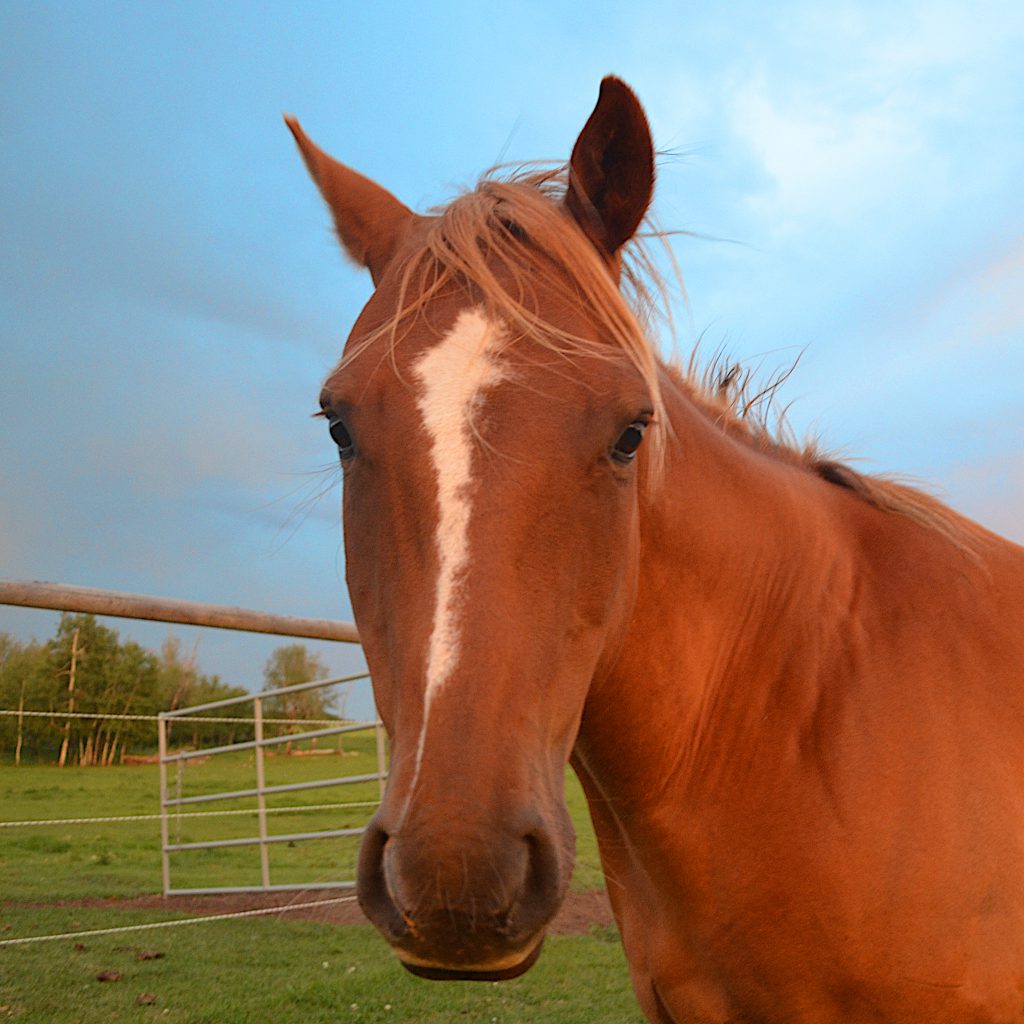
123 858
288 972
266 968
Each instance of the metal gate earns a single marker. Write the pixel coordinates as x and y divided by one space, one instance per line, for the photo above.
263 839
62 597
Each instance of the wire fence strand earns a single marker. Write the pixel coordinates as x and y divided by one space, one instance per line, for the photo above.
295 808
26 940
216 719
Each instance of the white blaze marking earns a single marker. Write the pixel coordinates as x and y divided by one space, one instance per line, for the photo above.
455 373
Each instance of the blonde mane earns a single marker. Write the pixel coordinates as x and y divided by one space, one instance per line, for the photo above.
513 220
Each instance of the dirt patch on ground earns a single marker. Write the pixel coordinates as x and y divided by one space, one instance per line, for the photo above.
580 912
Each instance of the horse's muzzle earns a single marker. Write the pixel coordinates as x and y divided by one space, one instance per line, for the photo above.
463 905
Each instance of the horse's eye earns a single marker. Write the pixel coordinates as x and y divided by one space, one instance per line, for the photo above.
624 449
341 438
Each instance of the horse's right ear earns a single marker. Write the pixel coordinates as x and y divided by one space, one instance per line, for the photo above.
611 171
370 221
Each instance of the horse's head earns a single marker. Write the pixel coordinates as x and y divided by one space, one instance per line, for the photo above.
487 410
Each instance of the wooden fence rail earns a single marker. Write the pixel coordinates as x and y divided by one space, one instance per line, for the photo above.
64 598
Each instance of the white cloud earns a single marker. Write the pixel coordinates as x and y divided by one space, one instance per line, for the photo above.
859 110
823 164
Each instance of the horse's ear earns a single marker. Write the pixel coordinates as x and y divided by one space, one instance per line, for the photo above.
369 219
611 171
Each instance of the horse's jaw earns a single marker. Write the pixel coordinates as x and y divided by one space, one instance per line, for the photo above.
507 967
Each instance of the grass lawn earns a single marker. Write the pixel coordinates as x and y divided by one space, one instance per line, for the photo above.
289 972
256 969
51 862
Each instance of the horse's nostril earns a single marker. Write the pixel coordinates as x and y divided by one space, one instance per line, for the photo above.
372 884
386 858
469 895
545 873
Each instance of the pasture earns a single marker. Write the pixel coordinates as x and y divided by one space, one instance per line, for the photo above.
122 859
254 969
290 972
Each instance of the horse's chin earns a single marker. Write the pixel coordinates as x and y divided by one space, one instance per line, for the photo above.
508 967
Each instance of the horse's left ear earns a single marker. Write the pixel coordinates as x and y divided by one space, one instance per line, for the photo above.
611 171
370 221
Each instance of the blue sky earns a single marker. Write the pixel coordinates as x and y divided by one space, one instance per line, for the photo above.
171 297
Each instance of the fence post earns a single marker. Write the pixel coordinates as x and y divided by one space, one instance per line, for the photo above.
261 798
165 857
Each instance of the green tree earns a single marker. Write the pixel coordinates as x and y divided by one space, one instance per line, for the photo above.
23 686
182 685
208 689
111 677
288 666
177 674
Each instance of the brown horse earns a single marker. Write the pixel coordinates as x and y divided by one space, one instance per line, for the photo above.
794 693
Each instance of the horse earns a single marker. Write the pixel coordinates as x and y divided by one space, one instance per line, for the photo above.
793 692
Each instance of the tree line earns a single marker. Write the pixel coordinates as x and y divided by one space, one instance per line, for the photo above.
87 669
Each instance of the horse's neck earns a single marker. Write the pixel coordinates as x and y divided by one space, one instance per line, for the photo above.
741 570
